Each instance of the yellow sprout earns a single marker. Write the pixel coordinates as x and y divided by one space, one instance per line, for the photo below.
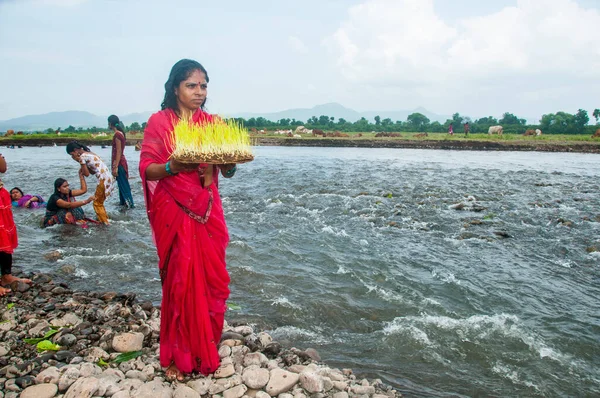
217 142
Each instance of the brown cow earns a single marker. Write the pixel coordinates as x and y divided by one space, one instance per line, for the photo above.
529 132
19 133
421 135
596 134
317 132
10 132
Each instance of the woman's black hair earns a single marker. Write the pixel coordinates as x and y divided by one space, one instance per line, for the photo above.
180 71
113 120
18 189
57 184
71 146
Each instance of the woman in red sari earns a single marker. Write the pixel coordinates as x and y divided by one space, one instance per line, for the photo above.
189 230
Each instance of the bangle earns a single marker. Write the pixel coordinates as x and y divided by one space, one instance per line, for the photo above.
230 172
168 169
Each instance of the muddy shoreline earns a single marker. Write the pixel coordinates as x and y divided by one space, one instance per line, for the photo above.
462 145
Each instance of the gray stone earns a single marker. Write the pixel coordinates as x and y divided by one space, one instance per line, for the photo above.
185 392
255 377
130 384
94 354
122 394
111 372
265 339
45 390
262 394
341 394
50 375
153 389
200 385
235 392
83 388
136 374
224 351
66 340
69 319
285 395
244 330
89 369
108 386
224 371
363 390
255 358
38 329
281 381
69 377
4 349
311 382
313 354
127 342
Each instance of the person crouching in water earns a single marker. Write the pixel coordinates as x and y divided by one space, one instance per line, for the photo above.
62 208
92 164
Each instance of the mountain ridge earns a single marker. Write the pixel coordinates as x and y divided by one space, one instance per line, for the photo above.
40 122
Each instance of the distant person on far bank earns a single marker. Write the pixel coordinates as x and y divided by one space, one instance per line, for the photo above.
467 129
8 237
451 129
92 164
120 169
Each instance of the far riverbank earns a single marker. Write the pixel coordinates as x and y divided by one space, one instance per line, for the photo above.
466 144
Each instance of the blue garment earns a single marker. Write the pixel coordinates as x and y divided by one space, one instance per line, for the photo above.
125 197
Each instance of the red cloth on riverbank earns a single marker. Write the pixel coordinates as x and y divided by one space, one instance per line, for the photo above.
8 230
190 234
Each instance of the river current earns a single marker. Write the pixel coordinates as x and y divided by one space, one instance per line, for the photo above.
443 273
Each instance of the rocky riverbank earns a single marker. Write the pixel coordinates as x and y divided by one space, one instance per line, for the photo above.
55 342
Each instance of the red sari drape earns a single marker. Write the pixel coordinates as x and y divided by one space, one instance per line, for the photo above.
191 252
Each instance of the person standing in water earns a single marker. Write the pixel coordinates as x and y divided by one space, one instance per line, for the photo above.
8 237
92 164
120 169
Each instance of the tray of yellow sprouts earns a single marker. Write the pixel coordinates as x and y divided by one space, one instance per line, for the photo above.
217 142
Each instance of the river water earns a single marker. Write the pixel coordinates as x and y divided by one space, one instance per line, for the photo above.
361 254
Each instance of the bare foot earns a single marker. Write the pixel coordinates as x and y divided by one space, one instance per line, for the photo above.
173 373
4 291
8 279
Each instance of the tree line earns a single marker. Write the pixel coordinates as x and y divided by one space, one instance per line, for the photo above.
552 123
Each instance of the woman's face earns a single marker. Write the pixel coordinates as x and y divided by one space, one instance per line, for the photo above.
64 188
15 194
191 93
76 153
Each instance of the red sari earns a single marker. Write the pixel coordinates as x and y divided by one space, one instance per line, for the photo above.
8 230
190 234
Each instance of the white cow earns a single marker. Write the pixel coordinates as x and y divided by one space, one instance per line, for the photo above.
495 130
538 132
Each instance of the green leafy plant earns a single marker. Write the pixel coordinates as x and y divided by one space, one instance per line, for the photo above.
47 345
37 340
233 307
10 305
489 216
126 356
102 362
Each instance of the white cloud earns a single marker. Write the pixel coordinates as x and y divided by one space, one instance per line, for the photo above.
406 44
297 44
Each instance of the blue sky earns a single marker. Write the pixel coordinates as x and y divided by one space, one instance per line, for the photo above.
478 58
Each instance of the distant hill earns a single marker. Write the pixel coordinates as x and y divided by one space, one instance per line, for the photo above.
338 111
87 119
64 119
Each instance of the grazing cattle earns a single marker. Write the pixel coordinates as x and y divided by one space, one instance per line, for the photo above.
529 132
10 132
495 130
253 130
344 135
19 133
538 132
297 136
596 134
383 134
283 132
317 132
360 134
421 135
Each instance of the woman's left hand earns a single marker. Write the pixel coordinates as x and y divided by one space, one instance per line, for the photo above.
115 172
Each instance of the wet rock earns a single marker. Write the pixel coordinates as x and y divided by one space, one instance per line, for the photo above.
313 354
311 382
45 390
232 336
272 349
502 234
53 256
50 375
255 358
67 269
25 381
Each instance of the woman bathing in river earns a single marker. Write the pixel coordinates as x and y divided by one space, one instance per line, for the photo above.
62 208
19 199
92 164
